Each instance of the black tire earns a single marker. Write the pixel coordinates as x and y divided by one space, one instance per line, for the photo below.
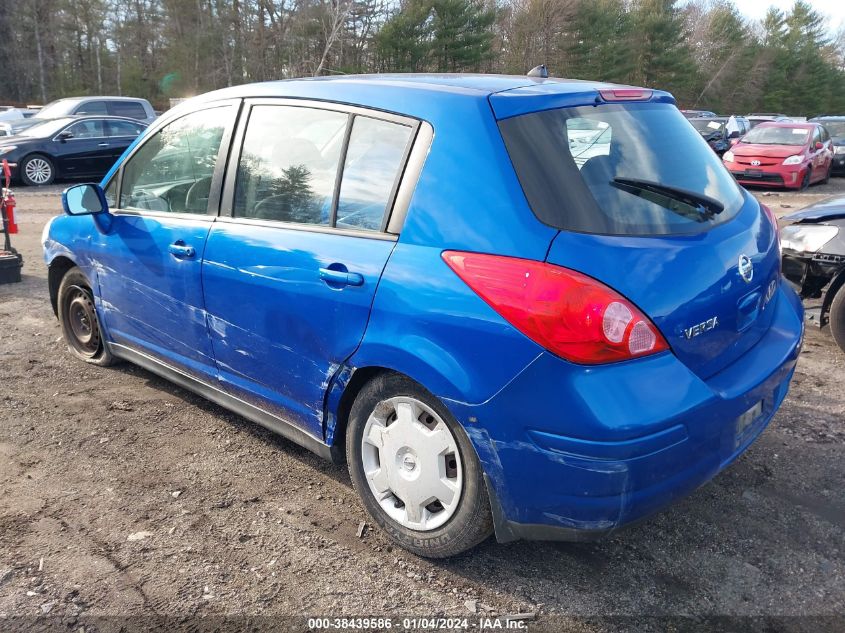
836 318
79 322
805 182
472 521
30 161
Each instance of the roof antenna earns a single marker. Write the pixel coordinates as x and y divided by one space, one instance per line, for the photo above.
539 71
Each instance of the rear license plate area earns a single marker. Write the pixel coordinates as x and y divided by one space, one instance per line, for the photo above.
747 423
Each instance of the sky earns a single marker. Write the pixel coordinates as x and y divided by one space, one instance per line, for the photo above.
834 10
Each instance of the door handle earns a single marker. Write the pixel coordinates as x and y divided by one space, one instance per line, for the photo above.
102 144
181 250
341 277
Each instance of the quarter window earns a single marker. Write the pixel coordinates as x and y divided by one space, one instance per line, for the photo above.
172 170
373 159
288 165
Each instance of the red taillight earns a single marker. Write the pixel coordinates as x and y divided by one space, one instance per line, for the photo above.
773 219
626 94
569 314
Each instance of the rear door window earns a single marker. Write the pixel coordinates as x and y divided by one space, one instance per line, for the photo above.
131 109
289 162
92 107
124 128
632 169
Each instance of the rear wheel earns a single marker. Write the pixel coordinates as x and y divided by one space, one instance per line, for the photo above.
415 469
37 170
836 318
79 322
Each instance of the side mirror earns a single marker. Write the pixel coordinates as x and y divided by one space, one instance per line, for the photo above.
734 134
63 136
819 145
734 141
87 199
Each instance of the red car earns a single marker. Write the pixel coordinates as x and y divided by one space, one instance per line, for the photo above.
782 154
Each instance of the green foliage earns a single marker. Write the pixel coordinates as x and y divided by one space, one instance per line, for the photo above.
602 43
437 35
703 51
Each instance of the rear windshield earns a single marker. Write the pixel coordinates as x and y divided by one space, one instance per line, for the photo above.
633 169
708 126
766 135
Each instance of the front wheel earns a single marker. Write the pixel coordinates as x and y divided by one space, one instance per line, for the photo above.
836 318
78 319
415 469
37 170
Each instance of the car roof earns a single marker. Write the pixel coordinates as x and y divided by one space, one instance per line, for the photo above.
422 94
90 98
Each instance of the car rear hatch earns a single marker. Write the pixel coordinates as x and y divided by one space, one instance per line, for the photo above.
645 206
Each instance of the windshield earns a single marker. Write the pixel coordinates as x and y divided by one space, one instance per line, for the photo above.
771 135
835 128
55 109
48 128
707 126
623 179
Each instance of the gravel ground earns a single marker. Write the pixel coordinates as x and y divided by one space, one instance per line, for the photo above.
123 495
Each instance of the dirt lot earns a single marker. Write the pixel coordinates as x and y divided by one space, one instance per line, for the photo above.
124 495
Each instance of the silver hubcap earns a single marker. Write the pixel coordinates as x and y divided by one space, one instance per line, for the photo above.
38 171
412 464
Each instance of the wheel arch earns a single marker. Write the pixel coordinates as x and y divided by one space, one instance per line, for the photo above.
835 286
56 270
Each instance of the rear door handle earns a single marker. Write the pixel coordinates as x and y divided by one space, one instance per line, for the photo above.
181 250
341 277
102 144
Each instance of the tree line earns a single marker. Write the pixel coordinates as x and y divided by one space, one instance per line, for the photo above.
703 51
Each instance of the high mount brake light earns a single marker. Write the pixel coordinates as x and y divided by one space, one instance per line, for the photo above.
626 94
568 313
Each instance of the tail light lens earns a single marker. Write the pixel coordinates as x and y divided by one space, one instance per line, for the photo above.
564 311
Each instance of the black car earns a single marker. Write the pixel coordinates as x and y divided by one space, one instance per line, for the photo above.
835 126
68 147
715 130
814 261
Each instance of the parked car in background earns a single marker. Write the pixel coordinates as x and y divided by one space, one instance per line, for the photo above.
693 114
9 117
413 274
814 261
718 131
756 119
126 107
68 147
835 126
779 154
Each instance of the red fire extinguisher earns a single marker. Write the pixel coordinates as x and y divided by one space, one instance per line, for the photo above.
8 201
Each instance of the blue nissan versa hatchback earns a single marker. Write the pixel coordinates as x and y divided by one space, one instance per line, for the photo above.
535 306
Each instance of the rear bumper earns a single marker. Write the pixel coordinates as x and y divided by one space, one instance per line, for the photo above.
572 453
838 166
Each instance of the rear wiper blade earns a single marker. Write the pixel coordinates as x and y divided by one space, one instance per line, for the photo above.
697 206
